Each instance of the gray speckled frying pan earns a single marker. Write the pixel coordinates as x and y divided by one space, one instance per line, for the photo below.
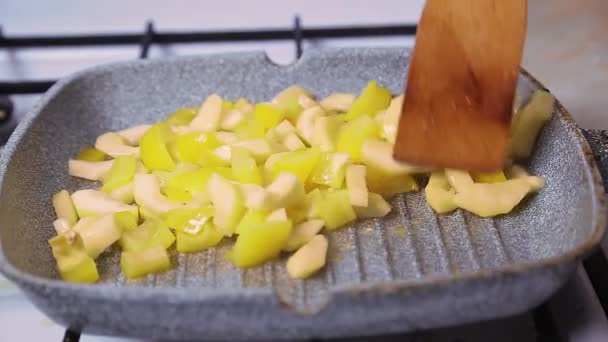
437 271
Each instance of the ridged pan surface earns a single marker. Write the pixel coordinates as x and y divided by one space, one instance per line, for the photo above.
410 270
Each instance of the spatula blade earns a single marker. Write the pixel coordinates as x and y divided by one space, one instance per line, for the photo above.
461 84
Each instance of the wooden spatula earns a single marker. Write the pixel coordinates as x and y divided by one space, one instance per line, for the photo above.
461 84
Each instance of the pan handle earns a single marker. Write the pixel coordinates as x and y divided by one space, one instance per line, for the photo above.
598 141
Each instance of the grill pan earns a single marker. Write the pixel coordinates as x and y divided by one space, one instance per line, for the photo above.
408 271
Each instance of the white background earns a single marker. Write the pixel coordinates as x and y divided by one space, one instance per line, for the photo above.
567 48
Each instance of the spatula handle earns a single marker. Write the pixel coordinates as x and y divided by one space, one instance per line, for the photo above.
598 141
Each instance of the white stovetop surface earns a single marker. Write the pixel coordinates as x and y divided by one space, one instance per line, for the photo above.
566 49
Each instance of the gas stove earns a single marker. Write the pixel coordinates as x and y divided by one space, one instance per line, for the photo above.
577 312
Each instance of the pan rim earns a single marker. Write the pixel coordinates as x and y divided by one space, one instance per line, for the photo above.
176 294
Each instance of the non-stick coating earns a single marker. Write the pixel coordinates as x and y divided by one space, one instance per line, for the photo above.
409 271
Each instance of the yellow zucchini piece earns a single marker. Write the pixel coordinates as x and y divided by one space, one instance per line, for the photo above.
269 114
149 234
121 173
260 242
309 259
244 167
289 100
335 209
377 206
209 115
182 117
191 145
372 99
527 124
64 207
90 153
353 134
439 193
338 102
494 177
486 200
300 163
303 233
388 185
141 263
356 185
154 152
228 202
330 170
73 263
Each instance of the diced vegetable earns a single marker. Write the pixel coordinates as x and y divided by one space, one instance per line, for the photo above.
339 102
64 207
288 99
124 194
377 206
90 153
330 170
439 193
153 145
133 135
256 197
517 172
286 190
372 99
308 259
182 117
61 226
302 233
251 218
260 242
495 177
277 215
231 119
191 239
390 121
355 183
90 170
379 155
325 132
141 263
99 234
244 106
259 148
209 115
74 264
293 143
459 180
528 122
191 146
93 202
228 202
486 199
147 195
274 174
125 220
121 173
268 114
353 134
300 163
335 209
151 233
114 145
226 138
250 129
306 122
244 168
389 185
